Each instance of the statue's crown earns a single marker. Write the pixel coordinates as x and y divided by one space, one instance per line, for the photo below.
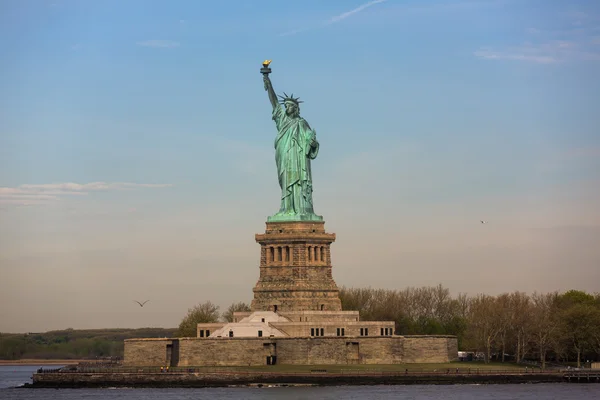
285 98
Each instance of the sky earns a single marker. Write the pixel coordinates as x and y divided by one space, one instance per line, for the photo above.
137 159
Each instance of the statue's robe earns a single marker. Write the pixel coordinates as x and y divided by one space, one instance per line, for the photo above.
295 146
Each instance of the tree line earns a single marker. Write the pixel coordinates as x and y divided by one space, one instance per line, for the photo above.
517 326
72 344
557 327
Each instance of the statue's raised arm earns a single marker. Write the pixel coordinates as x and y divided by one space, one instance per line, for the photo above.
296 146
265 70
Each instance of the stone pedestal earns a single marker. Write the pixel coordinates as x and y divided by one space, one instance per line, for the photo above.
295 268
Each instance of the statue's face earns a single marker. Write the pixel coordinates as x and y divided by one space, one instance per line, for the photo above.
292 109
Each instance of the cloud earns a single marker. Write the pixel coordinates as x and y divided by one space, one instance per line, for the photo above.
358 9
543 53
26 195
337 18
577 42
159 43
520 54
402 9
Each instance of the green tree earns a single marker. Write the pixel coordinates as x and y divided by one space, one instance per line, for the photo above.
235 307
579 326
202 313
578 316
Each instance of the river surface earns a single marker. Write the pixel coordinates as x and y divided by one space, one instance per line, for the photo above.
12 376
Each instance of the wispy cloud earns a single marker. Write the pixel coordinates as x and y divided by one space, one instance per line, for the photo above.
544 53
358 9
159 43
337 18
44 193
525 53
548 46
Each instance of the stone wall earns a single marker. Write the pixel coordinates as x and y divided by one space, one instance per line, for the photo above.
146 352
430 349
340 350
298 351
208 379
223 352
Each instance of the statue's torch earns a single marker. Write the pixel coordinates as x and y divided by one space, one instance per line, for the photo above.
265 70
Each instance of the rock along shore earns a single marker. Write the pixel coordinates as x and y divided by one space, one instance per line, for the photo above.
196 379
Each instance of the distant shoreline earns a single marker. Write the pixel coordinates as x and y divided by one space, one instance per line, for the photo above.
34 361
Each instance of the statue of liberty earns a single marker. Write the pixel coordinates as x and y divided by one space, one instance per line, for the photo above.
295 146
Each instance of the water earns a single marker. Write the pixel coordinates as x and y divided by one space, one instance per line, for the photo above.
15 376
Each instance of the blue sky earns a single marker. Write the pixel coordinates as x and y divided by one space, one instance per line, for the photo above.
136 148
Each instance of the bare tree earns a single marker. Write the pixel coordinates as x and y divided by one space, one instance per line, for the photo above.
483 322
521 321
503 313
543 321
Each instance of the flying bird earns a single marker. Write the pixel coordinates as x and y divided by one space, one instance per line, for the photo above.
141 304
484 222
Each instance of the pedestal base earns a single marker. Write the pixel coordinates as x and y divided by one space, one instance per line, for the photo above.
295 268
294 217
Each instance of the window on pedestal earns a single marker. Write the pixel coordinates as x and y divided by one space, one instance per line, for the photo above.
259 333
271 254
322 332
279 255
201 333
323 258
230 333
340 332
312 331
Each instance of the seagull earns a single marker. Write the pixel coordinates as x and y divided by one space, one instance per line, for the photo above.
483 222
141 304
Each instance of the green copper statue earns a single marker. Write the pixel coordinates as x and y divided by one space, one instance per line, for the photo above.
295 145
